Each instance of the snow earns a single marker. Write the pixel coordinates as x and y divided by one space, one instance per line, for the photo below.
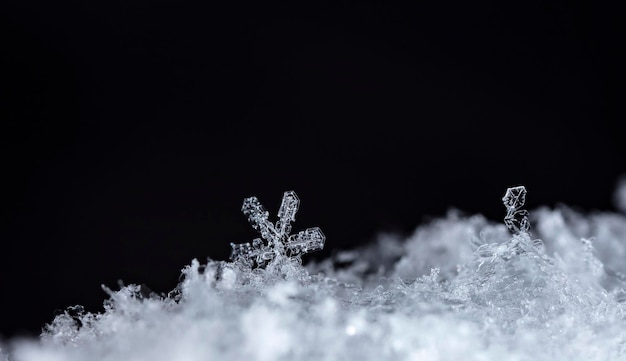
459 288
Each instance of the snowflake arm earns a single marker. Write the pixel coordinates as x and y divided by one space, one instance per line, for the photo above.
258 218
309 240
287 212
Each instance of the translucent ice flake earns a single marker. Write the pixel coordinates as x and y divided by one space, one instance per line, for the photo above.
516 219
279 241
515 197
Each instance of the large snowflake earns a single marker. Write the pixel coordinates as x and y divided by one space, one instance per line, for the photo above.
275 238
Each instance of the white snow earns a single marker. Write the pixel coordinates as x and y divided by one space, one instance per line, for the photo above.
459 288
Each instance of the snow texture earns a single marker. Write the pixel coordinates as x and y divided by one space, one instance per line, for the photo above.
460 288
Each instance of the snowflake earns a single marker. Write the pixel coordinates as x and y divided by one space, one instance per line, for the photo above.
516 219
279 241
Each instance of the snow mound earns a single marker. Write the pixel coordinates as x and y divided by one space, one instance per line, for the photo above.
459 288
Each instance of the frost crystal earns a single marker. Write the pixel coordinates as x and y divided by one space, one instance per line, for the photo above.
279 242
516 219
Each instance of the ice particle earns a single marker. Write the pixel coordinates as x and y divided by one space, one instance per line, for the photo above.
278 240
516 219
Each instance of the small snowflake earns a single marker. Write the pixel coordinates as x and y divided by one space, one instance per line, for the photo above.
279 241
516 219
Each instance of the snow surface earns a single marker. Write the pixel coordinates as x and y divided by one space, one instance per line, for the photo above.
460 288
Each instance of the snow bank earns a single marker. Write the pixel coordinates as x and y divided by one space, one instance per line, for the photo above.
460 288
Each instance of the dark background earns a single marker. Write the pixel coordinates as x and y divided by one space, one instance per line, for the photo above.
132 130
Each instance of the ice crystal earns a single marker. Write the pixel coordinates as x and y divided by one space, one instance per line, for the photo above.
516 219
278 238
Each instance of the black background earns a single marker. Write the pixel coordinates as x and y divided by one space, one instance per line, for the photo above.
132 130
